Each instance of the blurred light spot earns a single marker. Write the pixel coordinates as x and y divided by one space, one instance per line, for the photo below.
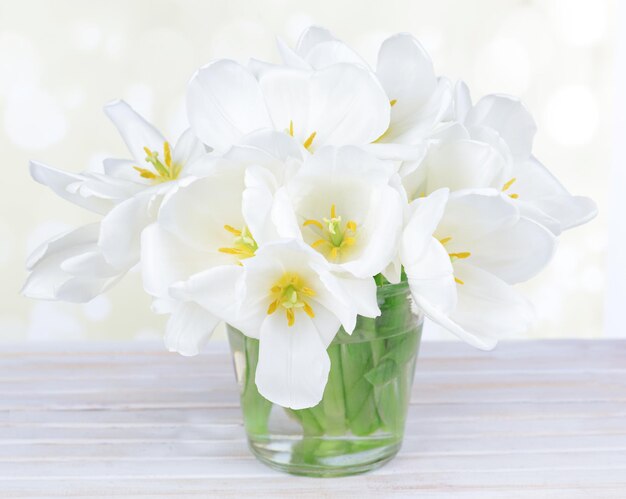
141 97
571 115
19 61
87 35
114 45
7 243
33 118
49 321
580 22
73 98
503 65
97 309
593 279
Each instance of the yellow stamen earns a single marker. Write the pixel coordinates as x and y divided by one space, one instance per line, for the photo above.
145 173
276 289
514 196
334 252
307 291
272 308
291 317
317 223
460 256
168 154
333 211
445 240
508 184
309 141
459 281
392 102
291 128
348 241
318 243
232 251
147 151
309 310
351 225
232 230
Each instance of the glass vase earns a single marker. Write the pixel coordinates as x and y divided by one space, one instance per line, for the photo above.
359 423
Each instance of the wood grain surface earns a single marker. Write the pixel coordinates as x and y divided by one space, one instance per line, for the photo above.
529 420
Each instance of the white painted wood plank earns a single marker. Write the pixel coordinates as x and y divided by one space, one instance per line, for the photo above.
533 419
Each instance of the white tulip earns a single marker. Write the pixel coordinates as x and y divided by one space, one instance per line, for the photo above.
504 122
342 204
70 267
461 275
288 297
216 220
419 100
337 105
128 194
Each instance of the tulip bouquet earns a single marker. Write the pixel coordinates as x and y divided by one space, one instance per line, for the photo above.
300 194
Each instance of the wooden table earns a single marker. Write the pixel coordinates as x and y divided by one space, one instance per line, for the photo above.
531 419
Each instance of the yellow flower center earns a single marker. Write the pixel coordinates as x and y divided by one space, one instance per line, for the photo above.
244 245
506 187
162 172
308 142
290 293
455 256
335 237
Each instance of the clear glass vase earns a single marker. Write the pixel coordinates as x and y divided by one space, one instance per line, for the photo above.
359 424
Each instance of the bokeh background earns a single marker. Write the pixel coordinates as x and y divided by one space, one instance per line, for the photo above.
61 61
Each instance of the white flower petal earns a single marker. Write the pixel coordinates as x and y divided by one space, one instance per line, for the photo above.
120 230
417 235
293 364
516 252
362 293
70 267
289 56
198 212
80 237
188 149
462 101
463 164
487 306
224 102
406 73
258 202
124 169
347 106
507 116
136 132
431 277
219 290
188 328
165 259
311 37
536 186
62 183
472 338
333 52
470 215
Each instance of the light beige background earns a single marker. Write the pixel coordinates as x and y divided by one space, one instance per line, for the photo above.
61 61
